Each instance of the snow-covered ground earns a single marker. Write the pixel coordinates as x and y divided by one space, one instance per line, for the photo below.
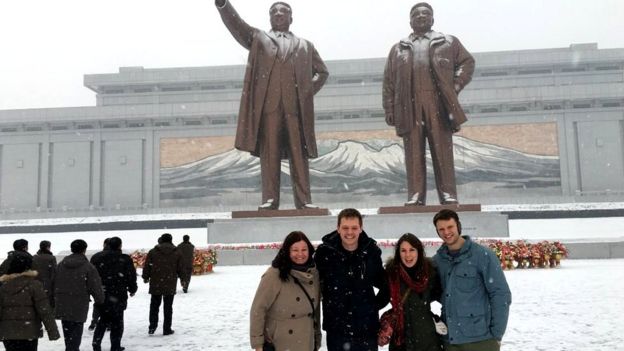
575 307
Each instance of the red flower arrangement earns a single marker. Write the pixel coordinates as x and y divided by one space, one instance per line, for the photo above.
203 260
523 254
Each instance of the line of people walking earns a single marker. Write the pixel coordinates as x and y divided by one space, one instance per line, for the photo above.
35 290
345 277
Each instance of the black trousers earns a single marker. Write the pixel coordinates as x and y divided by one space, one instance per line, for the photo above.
337 342
113 317
72 333
185 278
167 311
95 315
20 345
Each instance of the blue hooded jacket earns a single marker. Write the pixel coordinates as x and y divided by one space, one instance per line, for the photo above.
476 297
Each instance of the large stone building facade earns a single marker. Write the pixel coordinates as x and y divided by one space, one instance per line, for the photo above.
544 126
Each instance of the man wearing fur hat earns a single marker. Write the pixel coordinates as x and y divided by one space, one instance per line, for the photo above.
423 76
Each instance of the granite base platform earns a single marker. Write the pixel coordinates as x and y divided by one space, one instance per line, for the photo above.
381 226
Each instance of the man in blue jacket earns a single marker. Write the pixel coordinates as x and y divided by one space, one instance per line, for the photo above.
349 265
476 297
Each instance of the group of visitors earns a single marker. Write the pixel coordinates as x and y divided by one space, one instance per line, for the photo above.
35 290
346 276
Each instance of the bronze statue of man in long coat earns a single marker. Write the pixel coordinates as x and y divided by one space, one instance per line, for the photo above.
276 117
424 74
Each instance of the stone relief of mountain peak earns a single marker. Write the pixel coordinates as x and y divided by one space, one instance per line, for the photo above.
360 159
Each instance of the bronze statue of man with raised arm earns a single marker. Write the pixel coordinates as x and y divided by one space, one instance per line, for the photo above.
276 117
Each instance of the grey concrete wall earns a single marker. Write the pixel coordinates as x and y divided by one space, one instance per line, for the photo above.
36 172
20 179
70 172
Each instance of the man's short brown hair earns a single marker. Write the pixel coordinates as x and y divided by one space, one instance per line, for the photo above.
350 213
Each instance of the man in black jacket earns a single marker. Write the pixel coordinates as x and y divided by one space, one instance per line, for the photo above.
75 283
349 265
44 263
118 279
95 314
163 266
187 250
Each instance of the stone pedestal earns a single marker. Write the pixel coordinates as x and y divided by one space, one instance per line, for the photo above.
429 208
281 213
381 226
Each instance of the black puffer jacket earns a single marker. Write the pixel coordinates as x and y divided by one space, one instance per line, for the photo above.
118 277
350 306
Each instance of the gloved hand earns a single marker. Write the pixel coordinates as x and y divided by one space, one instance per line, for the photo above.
53 335
440 327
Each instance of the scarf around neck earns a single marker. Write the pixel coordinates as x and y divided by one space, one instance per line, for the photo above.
417 285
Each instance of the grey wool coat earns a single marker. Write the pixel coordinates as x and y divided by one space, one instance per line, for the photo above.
281 312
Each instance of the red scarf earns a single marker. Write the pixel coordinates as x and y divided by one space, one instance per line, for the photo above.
398 275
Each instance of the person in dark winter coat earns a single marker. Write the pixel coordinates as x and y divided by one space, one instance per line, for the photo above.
23 306
413 283
163 266
118 279
95 314
349 265
76 280
285 310
44 263
476 297
187 250
20 247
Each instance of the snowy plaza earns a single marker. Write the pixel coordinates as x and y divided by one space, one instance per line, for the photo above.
577 306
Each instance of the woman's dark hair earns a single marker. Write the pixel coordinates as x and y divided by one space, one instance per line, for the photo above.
282 260
422 265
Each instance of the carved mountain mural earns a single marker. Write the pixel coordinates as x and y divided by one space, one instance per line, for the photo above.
374 167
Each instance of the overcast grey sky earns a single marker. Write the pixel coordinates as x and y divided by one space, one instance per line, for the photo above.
48 45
